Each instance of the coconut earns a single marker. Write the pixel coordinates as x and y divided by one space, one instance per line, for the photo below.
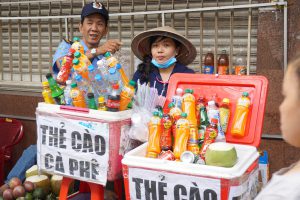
32 171
221 154
56 183
41 181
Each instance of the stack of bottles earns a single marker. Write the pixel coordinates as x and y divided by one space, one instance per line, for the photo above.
81 84
191 125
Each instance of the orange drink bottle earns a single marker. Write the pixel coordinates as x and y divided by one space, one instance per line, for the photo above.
224 114
77 46
210 136
174 112
126 95
47 93
81 68
193 140
77 96
223 63
154 126
189 106
181 136
83 59
166 135
241 115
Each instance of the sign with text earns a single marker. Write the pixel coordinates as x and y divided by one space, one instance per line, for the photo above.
73 147
161 185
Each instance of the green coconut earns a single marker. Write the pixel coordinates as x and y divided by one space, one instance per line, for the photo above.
221 154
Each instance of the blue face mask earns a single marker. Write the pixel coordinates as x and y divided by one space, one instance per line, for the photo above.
164 65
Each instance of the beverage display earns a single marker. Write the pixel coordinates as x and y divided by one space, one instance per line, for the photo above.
153 148
126 95
77 96
166 133
209 63
113 99
47 93
240 118
189 106
223 63
224 114
181 136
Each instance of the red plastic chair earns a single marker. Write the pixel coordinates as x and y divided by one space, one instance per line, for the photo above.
11 133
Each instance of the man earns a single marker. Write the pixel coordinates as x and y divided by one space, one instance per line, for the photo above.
93 27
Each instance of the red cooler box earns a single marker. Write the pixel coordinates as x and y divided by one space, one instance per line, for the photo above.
80 143
148 178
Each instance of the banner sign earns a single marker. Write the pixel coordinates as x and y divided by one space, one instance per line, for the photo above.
73 147
161 185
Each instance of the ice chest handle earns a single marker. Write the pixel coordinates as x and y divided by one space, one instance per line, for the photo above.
74 109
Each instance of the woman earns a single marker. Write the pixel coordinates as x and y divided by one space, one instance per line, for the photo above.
164 52
285 184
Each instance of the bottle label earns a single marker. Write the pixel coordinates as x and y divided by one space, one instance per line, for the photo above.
240 70
113 103
244 102
223 70
208 69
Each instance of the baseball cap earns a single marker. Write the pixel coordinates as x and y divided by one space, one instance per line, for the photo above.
92 8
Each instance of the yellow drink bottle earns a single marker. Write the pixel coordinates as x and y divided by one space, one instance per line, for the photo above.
181 136
126 95
155 130
47 93
189 106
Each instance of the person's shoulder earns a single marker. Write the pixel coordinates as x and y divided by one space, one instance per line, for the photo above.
180 68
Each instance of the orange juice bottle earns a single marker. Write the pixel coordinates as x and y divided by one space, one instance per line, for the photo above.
77 46
241 115
189 106
77 96
175 112
47 93
154 126
126 95
224 114
81 68
82 58
181 136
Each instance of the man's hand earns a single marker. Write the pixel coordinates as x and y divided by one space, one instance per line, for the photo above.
110 45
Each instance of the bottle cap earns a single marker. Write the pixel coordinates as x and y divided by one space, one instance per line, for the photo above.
171 105
214 121
112 70
118 66
91 68
68 82
48 75
98 77
187 157
211 103
179 91
226 100
75 61
77 54
101 99
78 78
90 95
184 115
155 113
76 39
245 94
73 85
115 86
107 54
72 51
132 83
45 83
187 91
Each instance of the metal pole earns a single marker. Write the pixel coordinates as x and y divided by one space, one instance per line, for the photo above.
163 19
66 28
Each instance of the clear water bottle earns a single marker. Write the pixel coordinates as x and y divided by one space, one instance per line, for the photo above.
115 77
83 85
92 72
100 87
67 93
103 68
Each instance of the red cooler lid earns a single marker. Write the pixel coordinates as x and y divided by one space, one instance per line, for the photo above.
231 87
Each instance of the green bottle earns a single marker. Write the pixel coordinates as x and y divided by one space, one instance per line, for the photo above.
91 101
56 92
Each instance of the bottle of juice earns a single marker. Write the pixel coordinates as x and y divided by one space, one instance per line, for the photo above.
214 112
92 102
166 133
181 136
154 125
66 67
56 92
175 112
80 68
224 114
177 98
47 93
240 65
113 99
241 115
77 45
210 136
223 63
209 63
82 58
199 104
102 104
193 140
189 106
126 95
77 96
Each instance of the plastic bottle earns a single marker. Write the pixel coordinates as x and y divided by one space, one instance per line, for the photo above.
47 93
80 68
224 114
83 85
209 63
210 136
102 104
193 140
92 102
200 103
177 98
181 136
66 67
240 118
213 112
223 63
174 112
103 68
92 72
113 99
77 45
77 96
56 92
101 88
67 93
111 60
166 133
189 106
154 127
126 95
240 65
82 58
114 77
